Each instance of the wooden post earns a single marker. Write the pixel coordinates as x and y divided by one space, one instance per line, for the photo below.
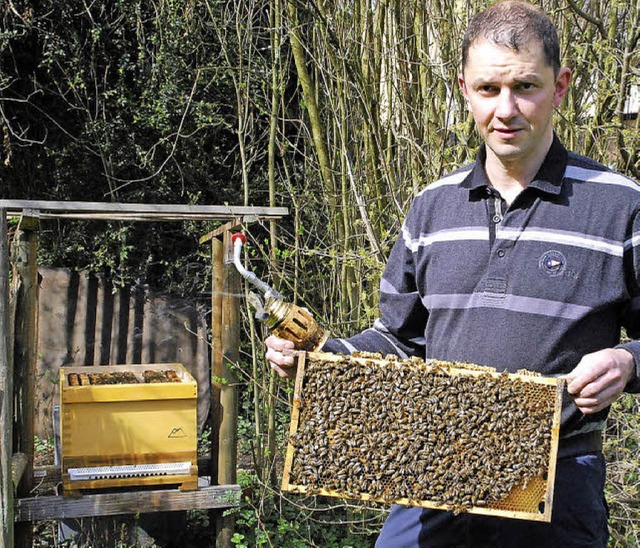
227 461
217 262
226 351
225 326
24 294
6 394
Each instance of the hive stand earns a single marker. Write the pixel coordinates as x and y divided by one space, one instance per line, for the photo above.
18 356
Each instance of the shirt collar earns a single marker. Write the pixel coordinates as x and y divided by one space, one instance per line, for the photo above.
548 179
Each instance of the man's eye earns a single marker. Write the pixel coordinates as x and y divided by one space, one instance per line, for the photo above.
526 86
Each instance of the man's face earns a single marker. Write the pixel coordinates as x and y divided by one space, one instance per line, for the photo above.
512 95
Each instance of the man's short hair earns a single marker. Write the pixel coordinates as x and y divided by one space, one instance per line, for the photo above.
514 24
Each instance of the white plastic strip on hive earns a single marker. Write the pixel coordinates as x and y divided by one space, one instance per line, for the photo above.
129 470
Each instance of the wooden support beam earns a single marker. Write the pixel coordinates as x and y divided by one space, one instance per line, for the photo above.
231 225
6 394
112 504
25 351
112 211
24 294
217 254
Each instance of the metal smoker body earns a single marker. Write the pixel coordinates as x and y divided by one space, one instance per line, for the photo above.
285 320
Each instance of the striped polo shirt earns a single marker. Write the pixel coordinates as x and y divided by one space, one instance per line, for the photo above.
535 285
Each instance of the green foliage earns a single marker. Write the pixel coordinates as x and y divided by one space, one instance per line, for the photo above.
204 442
117 101
44 446
622 451
266 518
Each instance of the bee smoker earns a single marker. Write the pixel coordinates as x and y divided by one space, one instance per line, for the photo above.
285 320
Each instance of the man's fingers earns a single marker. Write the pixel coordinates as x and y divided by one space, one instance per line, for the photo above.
278 358
282 366
596 402
599 379
588 390
280 363
586 372
278 344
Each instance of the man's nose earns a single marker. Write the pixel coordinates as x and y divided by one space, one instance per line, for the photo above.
506 106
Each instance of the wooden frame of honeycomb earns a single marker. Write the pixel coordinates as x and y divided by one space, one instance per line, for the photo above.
450 436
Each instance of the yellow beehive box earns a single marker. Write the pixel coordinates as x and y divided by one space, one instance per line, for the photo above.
138 428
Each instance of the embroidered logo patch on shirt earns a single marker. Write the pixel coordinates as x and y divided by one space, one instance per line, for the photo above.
553 263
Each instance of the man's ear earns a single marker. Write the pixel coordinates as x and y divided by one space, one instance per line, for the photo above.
562 85
463 85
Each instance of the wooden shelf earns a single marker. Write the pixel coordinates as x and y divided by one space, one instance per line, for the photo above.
126 502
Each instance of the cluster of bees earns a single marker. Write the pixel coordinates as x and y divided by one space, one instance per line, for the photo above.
405 429
121 377
151 376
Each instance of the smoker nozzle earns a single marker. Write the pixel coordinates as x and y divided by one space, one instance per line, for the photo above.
239 240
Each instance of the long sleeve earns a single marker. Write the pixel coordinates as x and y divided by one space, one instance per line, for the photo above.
400 328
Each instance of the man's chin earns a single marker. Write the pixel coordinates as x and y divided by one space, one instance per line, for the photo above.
506 151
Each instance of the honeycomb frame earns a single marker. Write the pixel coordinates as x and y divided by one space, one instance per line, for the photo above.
527 491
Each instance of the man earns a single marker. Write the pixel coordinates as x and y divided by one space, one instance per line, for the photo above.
528 258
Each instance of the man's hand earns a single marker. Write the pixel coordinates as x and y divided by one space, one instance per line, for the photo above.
599 379
280 363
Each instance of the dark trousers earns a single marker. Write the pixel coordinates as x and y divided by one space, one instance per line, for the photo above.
579 518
